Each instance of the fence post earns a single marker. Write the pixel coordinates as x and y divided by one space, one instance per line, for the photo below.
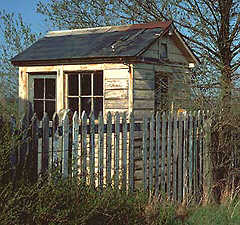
163 151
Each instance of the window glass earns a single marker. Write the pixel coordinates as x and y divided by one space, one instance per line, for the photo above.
86 105
73 89
38 88
86 84
97 106
39 108
50 88
50 108
73 104
98 83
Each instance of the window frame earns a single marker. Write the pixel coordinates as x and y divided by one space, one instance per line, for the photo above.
80 96
43 76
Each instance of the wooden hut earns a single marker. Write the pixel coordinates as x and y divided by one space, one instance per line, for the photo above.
115 68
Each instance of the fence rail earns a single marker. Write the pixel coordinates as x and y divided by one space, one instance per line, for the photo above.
163 153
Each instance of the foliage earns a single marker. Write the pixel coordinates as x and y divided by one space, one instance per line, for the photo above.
16 36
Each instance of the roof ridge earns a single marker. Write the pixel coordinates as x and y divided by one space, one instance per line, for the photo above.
160 24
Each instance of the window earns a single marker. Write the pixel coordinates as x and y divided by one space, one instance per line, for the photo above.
85 92
161 91
163 51
44 95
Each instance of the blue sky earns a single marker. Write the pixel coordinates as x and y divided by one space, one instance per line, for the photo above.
27 9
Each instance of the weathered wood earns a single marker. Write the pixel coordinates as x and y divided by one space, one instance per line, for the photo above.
145 137
195 156
34 143
109 149
100 149
151 152
84 147
131 154
143 94
143 104
190 171
116 150
180 159
65 146
157 164
45 144
115 104
75 150
169 155
55 141
116 94
175 155
116 84
92 150
124 151
185 157
144 84
163 151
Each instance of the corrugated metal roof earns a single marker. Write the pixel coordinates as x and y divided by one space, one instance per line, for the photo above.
117 41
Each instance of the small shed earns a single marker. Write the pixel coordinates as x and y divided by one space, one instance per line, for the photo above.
128 68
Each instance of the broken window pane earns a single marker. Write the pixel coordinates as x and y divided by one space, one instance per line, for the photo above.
97 106
73 85
50 88
39 88
38 108
86 84
73 104
98 83
50 108
86 105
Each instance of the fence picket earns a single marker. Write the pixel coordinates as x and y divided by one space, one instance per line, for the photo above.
180 159
151 152
92 150
45 144
100 148
195 173
84 147
163 152
169 155
175 155
55 141
190 154
109 149
65 149
158 124
75 136
131 153
116 150
124 151
34 143
145 137
185 157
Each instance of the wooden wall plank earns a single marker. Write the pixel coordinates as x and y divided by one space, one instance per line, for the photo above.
115 84
116 94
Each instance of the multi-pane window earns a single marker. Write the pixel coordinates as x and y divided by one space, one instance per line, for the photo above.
85 92
44 96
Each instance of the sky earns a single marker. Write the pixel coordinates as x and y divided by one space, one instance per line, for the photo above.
27 9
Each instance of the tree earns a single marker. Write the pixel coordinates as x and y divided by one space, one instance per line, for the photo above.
16 36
